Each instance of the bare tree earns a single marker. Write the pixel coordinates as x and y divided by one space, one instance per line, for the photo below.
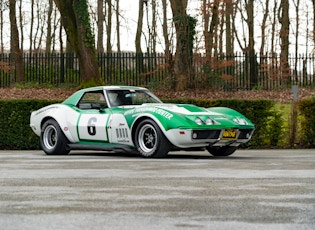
273 27
229 14
297 25
16 52
139 26
313 1
283 17
185 31
100 26
49 22
153 33
31 39
1 26
109 26
118 26
21 25
76 21
41 21
263 26
211 19
167 43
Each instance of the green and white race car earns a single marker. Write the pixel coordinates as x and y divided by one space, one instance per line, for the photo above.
132 119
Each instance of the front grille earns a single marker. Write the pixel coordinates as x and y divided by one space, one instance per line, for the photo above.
245 133
205 134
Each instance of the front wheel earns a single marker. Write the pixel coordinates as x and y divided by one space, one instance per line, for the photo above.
221 151
52 139
150 141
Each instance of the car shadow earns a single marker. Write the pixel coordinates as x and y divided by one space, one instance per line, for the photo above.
171 155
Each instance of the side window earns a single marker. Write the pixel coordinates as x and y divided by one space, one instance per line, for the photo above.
92 100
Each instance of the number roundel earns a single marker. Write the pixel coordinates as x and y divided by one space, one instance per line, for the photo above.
91 126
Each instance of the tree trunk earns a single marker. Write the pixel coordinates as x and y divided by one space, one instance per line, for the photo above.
109 27
253 65
100 26
167 44
1 27
313 1
139 27
283 16
297 25
154 34
21 24
17 55
185 31
76 21
31 27
49 22
118 26
210 25
229 34
263 29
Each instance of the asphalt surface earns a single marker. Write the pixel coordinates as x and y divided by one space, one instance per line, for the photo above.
252 189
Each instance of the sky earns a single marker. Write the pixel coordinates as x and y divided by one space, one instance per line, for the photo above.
129 13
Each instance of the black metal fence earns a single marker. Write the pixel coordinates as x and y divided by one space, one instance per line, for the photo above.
222 72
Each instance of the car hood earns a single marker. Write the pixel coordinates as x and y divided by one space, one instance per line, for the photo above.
184 109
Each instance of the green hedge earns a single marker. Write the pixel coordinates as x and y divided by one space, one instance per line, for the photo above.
307 113
15 132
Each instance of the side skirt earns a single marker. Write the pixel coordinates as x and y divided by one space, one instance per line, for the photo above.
115 148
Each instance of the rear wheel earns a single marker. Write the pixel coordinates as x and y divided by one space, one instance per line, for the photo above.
221 150
52 139
150 141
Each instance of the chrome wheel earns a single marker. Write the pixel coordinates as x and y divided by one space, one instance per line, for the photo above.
50 137
147 139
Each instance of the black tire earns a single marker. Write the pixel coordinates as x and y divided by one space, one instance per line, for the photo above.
221 151
52 139
150 141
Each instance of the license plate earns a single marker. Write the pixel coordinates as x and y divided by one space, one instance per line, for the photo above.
229 134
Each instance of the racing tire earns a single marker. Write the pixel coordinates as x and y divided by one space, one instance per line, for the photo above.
52 139
221 151
150 141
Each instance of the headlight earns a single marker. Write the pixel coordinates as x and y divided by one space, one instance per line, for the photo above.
240 121
209 121
205 121
198 121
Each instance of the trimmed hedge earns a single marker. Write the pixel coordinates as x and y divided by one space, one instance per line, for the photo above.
15 132
307 112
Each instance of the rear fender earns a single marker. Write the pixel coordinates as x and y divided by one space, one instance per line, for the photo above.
66 117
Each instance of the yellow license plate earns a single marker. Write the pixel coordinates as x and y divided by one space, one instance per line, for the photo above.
229 134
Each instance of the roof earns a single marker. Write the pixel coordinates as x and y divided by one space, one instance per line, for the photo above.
74 98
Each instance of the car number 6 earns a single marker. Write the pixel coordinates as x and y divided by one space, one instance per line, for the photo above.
91 126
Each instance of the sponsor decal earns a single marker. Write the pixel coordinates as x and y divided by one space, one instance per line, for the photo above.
46 109
159 111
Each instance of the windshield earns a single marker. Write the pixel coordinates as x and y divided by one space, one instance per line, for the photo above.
130 97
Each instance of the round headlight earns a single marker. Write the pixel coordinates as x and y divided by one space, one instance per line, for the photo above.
198 121
209 121
240 121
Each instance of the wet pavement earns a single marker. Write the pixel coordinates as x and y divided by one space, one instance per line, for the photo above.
251 189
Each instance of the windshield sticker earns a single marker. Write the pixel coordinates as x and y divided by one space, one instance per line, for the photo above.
159 111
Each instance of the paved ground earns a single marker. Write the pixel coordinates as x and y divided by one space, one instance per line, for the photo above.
252 189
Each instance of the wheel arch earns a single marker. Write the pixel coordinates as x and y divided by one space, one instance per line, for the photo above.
141 118
61 124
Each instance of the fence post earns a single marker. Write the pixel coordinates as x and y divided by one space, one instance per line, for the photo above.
62 67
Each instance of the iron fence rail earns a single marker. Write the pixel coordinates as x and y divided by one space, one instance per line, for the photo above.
224 72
